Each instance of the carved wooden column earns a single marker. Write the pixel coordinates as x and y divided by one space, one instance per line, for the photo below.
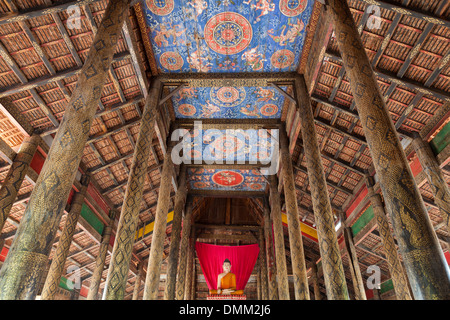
29 252
333 270
315 280
15 176
51 284
358 283
396 270
186 231
264 286
123 245
280 254
416 238
137 283
295 236
174 249
96 277
159 230
189 268
270 270
435 178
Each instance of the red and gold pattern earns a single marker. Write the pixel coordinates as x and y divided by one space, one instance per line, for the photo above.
160 7
269 110
292 8
228 33
228 178
282 59
171 60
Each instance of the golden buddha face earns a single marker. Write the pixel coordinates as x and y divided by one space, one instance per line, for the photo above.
226 267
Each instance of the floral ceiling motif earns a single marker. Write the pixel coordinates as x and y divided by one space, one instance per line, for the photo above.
227 35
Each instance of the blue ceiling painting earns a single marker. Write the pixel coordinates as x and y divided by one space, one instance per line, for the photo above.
226 180
227 35
230 146
228 103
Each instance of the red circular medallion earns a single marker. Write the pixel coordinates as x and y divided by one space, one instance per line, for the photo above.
228 178
171 60
269 110
256 186
187 110
228 33
282 58
292 8
160 7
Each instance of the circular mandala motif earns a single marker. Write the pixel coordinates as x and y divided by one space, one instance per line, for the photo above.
292 8
227 96
200 185
256 186
228 33
228 178
269 110
228 144
187 110
160 7
282 58
171 60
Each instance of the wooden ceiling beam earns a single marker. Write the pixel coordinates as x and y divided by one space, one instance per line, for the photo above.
402 8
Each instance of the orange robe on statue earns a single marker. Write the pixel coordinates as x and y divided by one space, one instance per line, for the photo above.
228 281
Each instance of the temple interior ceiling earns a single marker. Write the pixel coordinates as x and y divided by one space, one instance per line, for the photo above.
227 35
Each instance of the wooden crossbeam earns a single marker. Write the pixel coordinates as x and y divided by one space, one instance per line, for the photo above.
41 81
401 8
410 84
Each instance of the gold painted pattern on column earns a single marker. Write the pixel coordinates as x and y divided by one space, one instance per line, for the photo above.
280 253
263 265
270 270
301 289
187 222
358 284
40 221
15 176
435 178
188 292
390 251
101 258
333 270
174 249
137 282
56 270
123 244
159 230
425 264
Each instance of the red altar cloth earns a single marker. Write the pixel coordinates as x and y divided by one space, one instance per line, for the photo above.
226 297
242 258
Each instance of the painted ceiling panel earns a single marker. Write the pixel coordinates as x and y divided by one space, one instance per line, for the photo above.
227 35
228 103
226 180
230 146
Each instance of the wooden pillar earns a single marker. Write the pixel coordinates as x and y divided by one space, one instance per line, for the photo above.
333 270
358 283
187 222
269 268
174 249
295 236
28 255
262 263
123 245
51 284
280 254
96 277
399 280
435 178
137 283
416 238
189 269
159 230
315 280
258 280
15 176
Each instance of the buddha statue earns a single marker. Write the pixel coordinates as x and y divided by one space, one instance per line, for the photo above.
226 281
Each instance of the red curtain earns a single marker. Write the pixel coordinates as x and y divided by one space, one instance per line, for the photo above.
242 258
